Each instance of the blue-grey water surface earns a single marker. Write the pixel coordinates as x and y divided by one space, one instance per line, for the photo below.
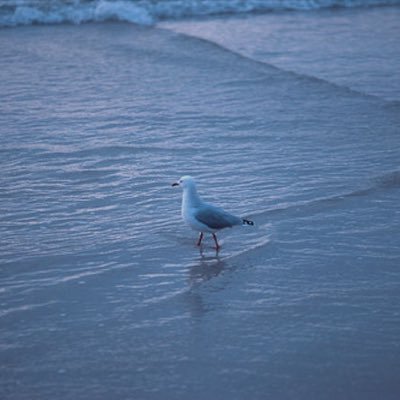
104 294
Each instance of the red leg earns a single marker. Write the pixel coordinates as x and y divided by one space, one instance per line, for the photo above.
200 239
217 246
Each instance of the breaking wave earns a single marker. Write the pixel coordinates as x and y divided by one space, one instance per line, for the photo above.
148 12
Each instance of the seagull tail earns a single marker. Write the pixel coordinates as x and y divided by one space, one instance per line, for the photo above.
247 222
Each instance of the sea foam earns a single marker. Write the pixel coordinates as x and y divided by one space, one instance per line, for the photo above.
147 12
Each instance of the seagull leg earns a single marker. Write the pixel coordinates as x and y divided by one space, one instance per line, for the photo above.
200 239
217 246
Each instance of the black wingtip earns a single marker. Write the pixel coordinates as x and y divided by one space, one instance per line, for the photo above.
247 222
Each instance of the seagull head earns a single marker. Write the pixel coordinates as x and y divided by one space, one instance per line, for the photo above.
184 182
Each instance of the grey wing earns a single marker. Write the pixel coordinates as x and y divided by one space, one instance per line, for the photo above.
216 218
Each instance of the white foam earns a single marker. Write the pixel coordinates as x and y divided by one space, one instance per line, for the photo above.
102 10
123 11
147 12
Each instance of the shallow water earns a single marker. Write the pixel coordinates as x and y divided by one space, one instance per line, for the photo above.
104 293
358 49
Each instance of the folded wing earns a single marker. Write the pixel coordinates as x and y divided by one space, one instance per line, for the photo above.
216 218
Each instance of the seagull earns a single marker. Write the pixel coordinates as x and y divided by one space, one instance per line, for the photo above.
203 217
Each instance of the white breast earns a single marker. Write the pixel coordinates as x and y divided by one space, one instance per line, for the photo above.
190 204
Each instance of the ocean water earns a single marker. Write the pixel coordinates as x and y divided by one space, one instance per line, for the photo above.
103 292
148 12
317 44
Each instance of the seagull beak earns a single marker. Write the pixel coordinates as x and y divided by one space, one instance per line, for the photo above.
175 184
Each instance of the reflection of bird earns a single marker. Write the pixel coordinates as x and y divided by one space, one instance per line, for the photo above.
203 217
205 268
